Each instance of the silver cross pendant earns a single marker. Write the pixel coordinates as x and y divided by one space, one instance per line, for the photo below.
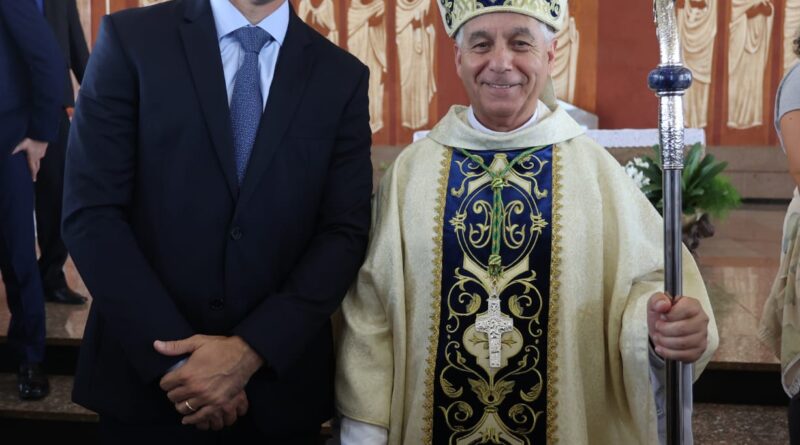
494 324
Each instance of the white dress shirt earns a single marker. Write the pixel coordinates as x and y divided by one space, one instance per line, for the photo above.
228 19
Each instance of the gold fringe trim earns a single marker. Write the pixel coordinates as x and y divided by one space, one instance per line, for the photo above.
552 320
436 296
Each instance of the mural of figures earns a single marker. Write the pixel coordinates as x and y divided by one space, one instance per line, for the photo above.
566 63
791 26
750 30
416 43
322 17
366 39
697 24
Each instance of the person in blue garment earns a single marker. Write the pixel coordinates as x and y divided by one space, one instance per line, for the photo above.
62 16
31 87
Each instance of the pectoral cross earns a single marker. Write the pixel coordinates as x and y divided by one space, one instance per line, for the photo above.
494 324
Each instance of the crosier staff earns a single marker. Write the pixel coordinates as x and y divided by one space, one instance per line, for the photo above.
669 81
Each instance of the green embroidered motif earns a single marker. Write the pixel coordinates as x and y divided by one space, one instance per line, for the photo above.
498 208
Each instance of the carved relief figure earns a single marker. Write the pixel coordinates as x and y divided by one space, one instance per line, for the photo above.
790 27
366 39
322 17
416 40
697 23
566 63
750 29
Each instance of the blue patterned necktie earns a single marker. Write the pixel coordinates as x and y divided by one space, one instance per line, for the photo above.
247 98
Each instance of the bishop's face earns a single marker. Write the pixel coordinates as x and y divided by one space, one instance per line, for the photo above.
504 62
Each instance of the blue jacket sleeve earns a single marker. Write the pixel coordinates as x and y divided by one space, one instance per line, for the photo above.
39 49
99 185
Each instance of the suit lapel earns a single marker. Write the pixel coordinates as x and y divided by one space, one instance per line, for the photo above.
291 75
199 36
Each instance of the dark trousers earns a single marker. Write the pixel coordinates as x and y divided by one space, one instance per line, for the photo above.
243 432
49 195
26 332
794 420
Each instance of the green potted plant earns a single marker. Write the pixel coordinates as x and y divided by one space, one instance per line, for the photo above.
706 192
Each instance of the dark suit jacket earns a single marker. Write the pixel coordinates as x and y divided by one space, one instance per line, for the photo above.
168 244
31 79
62 15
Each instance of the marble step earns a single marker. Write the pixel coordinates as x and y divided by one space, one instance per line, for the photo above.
58 360
57 406
722 424
64 323
737 385
714 424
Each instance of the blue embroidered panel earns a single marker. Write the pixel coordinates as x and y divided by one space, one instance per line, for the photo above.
474 402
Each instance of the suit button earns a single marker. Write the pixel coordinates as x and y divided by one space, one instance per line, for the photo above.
217 304
236 233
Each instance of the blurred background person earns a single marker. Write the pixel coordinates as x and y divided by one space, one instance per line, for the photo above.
780 322
62 15
31 88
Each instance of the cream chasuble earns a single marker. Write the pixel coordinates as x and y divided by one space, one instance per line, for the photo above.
581 256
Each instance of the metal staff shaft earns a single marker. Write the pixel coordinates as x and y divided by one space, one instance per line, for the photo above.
673 287
670 80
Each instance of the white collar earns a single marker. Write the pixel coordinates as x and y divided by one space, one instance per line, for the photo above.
228 19
475 123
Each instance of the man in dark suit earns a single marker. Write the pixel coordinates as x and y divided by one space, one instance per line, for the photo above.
62 15
215 239
31 84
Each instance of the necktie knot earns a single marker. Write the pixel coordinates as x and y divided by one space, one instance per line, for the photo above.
252 38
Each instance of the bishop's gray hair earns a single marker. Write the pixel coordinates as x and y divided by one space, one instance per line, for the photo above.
547 31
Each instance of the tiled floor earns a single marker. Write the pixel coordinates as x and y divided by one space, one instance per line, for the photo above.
56 406
739 264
